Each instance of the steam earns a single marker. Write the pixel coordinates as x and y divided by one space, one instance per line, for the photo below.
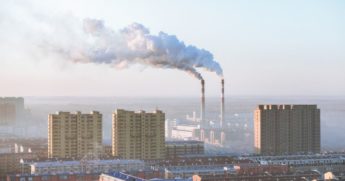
135 45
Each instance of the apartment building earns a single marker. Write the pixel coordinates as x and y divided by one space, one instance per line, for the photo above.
138 135
74 135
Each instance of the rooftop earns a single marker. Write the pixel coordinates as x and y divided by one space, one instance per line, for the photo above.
183 142
285 107
89 162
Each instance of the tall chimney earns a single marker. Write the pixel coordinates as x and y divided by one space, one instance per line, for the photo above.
202 116
222 106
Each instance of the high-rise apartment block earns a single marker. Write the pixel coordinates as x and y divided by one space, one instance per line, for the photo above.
74 135
138 135
286 129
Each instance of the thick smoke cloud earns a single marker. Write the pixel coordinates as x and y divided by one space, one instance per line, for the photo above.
135 45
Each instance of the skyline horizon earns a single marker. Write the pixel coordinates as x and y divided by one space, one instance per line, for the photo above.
274 96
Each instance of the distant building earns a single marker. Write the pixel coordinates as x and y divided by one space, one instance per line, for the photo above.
214 136
7 113
185 132
74 135
286 129
138 135
169 125
11 109
174 149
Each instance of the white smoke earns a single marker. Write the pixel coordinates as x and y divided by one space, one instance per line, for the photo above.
135 45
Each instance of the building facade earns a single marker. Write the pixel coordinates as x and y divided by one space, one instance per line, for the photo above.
8 113
286 129
120 176
174 149
53 177
11 109
11 163
85 166
214 136
74 135
138 135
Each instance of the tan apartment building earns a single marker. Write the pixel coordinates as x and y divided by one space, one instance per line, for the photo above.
138 135
7 113
11 109
286 129
74 135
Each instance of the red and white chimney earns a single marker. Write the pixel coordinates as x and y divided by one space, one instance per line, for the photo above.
202 114
222 105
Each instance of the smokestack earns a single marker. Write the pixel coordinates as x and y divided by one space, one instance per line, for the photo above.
222 106
202 116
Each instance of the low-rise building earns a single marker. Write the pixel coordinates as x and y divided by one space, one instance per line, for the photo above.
87 166
185 132
119 176
213 136
201 170
11 163
53 177
178 148
298 163
258 169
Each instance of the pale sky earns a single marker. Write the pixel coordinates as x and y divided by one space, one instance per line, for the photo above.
265 47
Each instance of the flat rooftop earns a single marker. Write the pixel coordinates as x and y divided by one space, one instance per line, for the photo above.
90 162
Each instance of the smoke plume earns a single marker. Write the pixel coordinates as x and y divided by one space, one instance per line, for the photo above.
135 45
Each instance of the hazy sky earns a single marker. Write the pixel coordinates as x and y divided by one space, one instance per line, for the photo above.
265 47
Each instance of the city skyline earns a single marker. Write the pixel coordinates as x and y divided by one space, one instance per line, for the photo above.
265 48
172 90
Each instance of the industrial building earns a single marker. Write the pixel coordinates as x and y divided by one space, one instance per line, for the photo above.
286 129
174 149
201 130
74 135
214 136
183 131
138 135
